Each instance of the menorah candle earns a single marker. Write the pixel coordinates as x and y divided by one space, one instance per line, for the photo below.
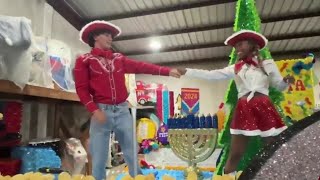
190 119
169 123
215 121
202 121
184 122
173 122
209 123
178 122
195 122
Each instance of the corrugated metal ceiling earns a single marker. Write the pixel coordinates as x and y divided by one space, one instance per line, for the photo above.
291 24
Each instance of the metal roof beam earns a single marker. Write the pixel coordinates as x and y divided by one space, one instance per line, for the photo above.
177 7
291 54
216 26
219 44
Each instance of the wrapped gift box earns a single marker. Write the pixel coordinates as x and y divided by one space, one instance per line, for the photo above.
9 166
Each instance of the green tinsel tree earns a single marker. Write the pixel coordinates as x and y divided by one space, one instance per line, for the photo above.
247 18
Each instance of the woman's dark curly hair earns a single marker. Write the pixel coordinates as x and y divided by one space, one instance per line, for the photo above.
95 33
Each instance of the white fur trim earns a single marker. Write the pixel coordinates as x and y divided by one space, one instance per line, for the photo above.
246 31
268 133
100 22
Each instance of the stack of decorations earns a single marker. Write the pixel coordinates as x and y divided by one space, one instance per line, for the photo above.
156 95
165 105
149 145
39 176
10 124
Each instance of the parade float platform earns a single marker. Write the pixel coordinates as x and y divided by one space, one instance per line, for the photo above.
160 173
167 164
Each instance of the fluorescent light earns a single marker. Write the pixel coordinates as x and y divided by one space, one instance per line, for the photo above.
155 45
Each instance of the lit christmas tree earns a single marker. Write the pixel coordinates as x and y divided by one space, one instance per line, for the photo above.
247 18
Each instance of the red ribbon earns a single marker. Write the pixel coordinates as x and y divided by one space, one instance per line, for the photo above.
248 60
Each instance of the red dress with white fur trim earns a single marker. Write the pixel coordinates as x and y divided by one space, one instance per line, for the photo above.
255 115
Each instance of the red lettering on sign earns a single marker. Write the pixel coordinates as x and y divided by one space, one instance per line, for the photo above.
299 86
190 96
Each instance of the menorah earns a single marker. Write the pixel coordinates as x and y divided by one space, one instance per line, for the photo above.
194 144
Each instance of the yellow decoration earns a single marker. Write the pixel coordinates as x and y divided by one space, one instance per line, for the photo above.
112 177
1 116
238 174
5 177
78 177
127 177
150 177
221 117
217 177
227 177
18 177
166 177
192 176
64 176
88 178
299 98
49 177
39 176
146 129
178 102
141 177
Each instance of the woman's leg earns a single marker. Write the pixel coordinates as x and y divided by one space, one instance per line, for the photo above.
238 148
268 140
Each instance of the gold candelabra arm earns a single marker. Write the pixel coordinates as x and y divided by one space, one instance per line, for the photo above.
206 145
193 145
178 146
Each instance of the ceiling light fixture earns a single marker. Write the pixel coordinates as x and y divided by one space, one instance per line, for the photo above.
155 45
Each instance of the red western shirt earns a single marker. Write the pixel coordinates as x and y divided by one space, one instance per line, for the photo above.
100 76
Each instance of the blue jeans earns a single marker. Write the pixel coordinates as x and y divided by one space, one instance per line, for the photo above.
119 120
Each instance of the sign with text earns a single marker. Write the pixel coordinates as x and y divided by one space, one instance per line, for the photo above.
298 98
190 101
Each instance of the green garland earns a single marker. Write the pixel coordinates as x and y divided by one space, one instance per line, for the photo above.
247 18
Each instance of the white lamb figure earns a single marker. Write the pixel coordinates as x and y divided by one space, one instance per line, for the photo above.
79 154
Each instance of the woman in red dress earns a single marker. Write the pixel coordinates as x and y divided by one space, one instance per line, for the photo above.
255 115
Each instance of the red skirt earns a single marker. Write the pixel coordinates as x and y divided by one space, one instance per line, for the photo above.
258 117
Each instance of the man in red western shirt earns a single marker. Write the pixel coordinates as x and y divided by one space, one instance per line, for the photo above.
100 84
